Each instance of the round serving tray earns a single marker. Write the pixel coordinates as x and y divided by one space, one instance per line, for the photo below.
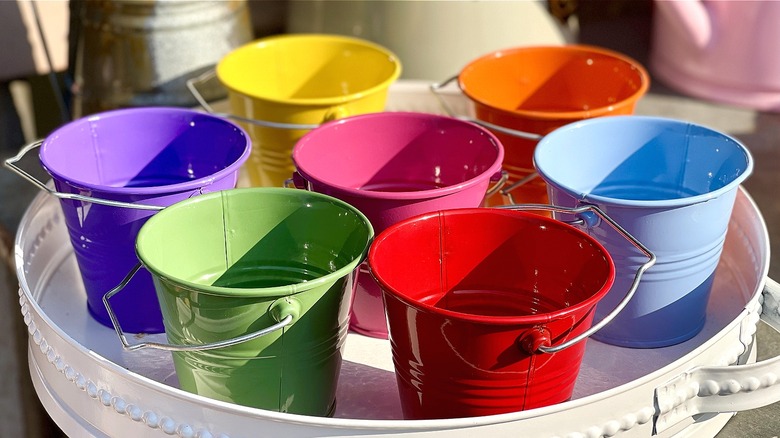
92 387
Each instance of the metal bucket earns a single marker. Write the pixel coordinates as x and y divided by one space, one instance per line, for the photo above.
254 286
487 309
141 52
114 170
669 183
523 93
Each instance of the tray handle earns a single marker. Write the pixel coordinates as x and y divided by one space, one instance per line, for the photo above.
717 389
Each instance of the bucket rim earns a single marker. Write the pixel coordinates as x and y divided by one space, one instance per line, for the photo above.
152 190
540 318
562 115
494 168
664 203
393 60
265 292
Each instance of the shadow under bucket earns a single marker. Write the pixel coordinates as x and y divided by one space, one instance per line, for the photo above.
473 297
669 183
537 89
392 166
141 157
228 264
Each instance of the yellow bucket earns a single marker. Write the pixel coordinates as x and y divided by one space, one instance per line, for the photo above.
283 86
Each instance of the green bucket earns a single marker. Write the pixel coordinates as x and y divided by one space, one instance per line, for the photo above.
273 264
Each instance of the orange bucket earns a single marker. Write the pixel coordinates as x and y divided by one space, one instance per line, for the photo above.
535 90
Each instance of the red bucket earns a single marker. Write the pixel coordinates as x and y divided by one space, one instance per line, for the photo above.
477 301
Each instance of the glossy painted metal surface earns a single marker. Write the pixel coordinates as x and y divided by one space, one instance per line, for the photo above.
538 89
229 263
471 294
301 79
148 156
392 166
669 183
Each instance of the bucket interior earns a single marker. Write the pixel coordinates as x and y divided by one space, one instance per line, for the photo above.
307 67
397 152
641 159
254 239
141 148
485 263
558 79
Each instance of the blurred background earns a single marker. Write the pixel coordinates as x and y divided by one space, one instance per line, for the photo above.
66 59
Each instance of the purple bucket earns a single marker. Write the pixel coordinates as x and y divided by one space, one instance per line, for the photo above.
149 157
392 166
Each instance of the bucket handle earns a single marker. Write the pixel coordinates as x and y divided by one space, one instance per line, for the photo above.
211 74
11 164
299 182
283 311
435 87
507 191
503 177
540 337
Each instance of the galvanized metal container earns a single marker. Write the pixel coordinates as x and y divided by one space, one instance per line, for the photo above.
141 52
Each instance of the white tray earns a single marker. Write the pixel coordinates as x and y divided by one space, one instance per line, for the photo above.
91 387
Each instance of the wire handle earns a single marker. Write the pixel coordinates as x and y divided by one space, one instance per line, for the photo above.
11 164
503 177
435 87
631 290
211 74
521 182
284 310
297 181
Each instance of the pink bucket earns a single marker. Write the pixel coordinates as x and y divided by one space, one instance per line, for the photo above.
392 166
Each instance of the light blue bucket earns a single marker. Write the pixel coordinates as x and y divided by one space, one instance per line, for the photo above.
671 184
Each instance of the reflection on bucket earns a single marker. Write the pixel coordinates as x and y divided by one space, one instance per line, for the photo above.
137 157
538 89
669 183
230 263
472 295
392 166
303 80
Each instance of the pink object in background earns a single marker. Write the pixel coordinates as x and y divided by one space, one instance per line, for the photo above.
724 51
